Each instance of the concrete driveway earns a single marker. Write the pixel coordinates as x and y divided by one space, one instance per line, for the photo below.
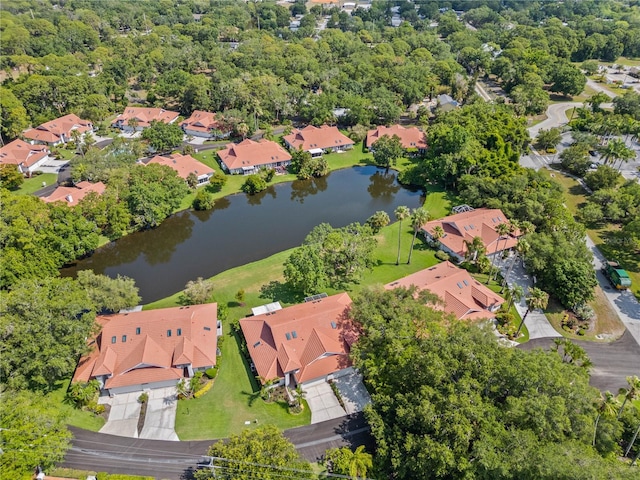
353 392
322 402
160 419
536 321
124 414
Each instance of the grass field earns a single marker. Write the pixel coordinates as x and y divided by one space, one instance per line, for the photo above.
33 184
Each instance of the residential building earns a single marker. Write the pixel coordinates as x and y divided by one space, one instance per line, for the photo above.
316 140
184 165
446 103
136 119
27 157
463 296
57 131
304 342
72 195
249 156
204 124
410 138
464 227
150 348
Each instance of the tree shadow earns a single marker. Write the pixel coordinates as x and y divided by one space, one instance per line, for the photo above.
251 397
280 291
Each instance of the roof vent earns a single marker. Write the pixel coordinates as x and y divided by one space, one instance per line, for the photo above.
334 325
257 344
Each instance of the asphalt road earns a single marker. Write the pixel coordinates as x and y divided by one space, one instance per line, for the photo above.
177 460
612 362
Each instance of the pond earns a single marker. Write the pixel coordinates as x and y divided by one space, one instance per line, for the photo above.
242 229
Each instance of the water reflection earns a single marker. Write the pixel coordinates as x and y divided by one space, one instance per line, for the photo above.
383 185
256 199
303 188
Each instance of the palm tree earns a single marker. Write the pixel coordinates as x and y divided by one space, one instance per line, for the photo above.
360 463
437 234
630 393
537 299
522 248
633 439
606 407
419 217
401 213
503 229
474 249
514 294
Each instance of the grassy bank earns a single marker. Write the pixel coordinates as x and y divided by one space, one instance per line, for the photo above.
75 417
33 184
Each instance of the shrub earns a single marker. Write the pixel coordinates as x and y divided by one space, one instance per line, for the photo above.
254 184
143 398
211 372
216 182
207 386
581 332
584 312
444 256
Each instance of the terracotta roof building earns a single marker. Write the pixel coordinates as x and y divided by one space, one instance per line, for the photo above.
151 348
142 117
317 139
303 342
57 131
248 156
410 138
28 158
72 195
204 124
465 226
184 165
463 296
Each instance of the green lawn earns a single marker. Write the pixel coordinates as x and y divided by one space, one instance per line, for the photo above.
439 201
33 184
75 417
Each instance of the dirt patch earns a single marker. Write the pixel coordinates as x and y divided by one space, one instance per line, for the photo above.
143 414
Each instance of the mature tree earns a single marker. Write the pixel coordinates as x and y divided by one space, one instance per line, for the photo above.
378 220
536 299
631 393
602 177
261 453
344 461
109 294
400 213
616 150
330 257
567 79
203 200
162 137
410 356
627 104
33 432
503 230
13 115
10 176
419 217
197 292
474 249
529 97
155 192
607 407
192 180
254 184
596 100
575 159
548 139
387 150
45 325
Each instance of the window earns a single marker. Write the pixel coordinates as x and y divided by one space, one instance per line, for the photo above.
334 325
113 339
168 333
208 329
288 335
179 332
465 282
137 330
459 285
124 338
294 334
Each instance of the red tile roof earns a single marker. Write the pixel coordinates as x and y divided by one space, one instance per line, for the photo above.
312 339
72 195
248 154
463 296
22 153
51 132
151 355
311 137
481 222
145 116
183 164
411 137
202 122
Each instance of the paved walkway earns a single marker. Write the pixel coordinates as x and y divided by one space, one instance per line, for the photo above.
556 116
322 402
536 321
